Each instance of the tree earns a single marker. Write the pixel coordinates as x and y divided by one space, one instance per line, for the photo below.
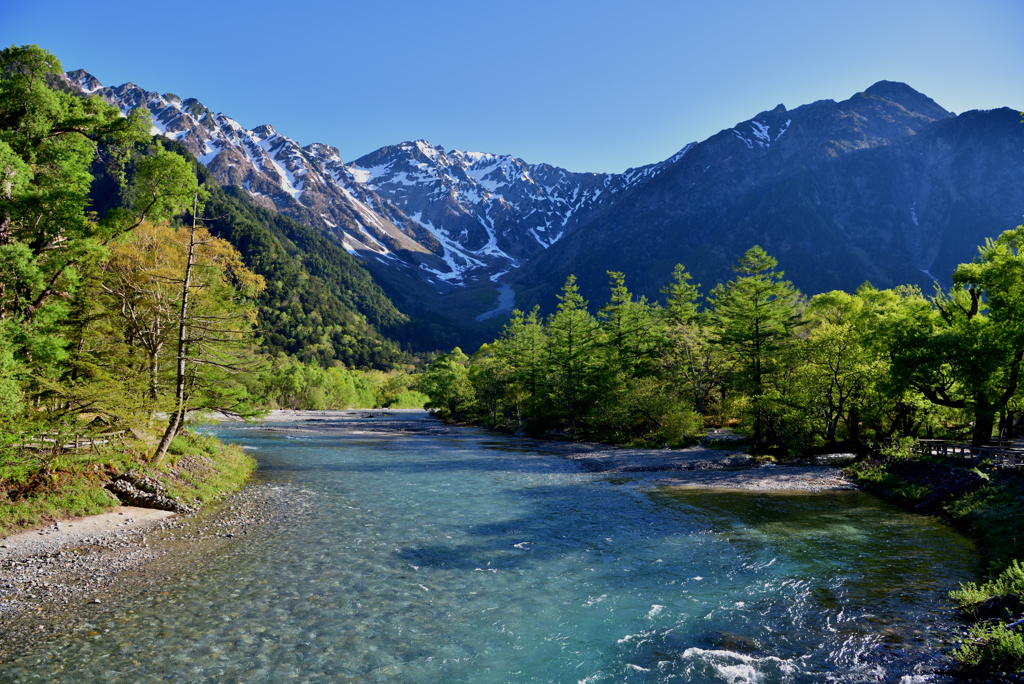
574 357
631 328
756 314
48 139
447 384
838 366
52 248
214 328
141 284
964 348
691 362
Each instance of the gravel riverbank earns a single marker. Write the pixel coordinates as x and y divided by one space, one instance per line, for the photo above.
59 577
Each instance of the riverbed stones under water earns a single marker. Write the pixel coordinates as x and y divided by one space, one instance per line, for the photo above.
41 590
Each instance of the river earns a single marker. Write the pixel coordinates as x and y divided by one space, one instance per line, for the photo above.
429 555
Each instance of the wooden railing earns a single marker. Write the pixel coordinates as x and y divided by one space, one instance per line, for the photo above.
70 443
998 455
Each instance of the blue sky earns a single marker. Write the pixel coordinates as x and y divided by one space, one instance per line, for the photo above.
590 86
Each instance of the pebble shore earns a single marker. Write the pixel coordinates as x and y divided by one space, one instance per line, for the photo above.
61 580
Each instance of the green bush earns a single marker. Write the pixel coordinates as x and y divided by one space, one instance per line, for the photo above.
877 475
993 648
910 492
409 399
1009 582
904 449
991 515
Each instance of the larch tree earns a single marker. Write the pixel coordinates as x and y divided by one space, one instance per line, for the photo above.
757 312
574 357
213 328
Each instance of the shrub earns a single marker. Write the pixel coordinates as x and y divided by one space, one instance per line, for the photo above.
1010 581
993 648
409 399
865 473
904 449
910 492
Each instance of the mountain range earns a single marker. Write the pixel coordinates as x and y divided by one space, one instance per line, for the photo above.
886 186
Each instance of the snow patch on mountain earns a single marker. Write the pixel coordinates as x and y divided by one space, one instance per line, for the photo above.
454 215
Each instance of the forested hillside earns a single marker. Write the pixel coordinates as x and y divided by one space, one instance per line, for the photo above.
130 287
319 302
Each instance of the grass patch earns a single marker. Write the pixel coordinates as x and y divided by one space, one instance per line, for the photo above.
64 496
205 470
201 470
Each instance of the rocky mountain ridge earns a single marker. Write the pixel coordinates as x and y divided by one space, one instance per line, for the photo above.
885 186
445 217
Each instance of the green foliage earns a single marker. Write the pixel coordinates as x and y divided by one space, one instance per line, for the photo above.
319 302
409 399
991 648
840 371
963 349
755 315
88 303
910 492
75 485
877 479
872 475
574 362
900 449
447 384
192 444
991 514
1009 582
290 384
204 470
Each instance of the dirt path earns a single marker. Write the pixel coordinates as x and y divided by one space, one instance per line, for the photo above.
76 532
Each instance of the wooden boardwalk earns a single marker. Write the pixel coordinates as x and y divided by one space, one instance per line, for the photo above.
1010 454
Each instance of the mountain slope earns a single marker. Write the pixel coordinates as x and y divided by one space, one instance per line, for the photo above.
446 218
886 186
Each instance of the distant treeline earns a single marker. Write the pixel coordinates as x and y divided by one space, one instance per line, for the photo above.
793 374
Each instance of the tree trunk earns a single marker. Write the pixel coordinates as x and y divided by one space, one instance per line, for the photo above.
854 425
984 422
154 372
179 390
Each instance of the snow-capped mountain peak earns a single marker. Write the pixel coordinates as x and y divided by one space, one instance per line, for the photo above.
447 216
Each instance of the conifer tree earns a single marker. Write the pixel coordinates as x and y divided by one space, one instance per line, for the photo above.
573 357
756 314
631 329
521 347
692 363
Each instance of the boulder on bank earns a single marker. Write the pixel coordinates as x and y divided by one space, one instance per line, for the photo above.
134 489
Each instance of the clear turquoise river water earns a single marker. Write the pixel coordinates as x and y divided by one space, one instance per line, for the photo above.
467 557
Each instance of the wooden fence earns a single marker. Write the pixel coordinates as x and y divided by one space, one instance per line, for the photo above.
998 455
49 440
